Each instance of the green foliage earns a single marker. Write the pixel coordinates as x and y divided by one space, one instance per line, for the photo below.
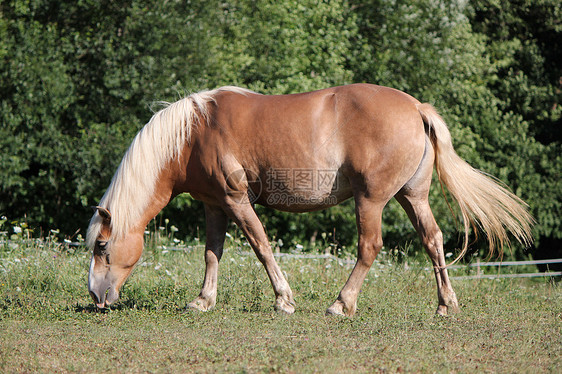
78 79
523 42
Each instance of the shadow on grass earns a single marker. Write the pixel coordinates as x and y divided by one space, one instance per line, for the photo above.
125 305
90 308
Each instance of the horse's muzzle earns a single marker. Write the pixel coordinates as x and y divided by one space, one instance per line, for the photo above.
104 295
101 286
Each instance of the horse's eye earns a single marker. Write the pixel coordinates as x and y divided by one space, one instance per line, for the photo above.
102 245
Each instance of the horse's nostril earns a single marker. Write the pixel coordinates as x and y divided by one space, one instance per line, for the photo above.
94 296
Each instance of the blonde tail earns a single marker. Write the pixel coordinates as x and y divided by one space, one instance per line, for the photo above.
482 200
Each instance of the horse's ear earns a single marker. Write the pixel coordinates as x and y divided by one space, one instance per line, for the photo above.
104 213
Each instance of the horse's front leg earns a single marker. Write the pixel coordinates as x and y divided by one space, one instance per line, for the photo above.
216 222
248 221
369 220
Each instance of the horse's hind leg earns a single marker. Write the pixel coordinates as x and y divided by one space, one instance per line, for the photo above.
414 199
216 223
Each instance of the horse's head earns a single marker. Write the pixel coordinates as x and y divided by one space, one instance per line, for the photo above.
113 259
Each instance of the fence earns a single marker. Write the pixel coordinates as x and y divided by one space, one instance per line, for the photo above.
349 261
478 265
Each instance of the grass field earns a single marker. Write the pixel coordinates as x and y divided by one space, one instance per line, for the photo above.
48 323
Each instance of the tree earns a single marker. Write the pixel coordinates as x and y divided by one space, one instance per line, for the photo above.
79 79
523 40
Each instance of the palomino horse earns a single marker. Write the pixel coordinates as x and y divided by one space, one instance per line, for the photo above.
231 148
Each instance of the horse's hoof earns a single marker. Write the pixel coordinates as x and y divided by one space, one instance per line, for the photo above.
285 310
334 312
445 310
339 309
442 310
200 305
283 305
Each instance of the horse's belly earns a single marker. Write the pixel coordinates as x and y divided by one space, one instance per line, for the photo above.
302 190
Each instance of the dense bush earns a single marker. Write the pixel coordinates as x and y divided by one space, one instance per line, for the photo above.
78 79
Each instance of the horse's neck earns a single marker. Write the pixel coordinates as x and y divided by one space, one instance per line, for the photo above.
161 197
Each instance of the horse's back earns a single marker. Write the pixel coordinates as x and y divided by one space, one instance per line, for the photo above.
344 114
365 134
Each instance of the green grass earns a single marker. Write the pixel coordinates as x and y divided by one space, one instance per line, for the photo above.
48 323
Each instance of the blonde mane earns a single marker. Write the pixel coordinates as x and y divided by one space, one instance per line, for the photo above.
159 141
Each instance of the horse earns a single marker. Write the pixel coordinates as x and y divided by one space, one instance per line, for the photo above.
232 148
